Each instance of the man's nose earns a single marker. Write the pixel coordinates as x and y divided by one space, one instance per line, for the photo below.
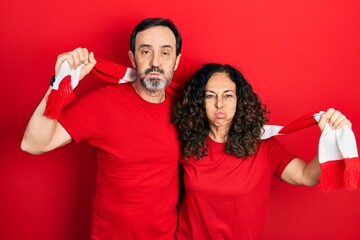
155 61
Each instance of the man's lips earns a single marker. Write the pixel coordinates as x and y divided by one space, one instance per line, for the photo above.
154 74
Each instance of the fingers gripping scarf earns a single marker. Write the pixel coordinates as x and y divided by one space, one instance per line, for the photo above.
338 156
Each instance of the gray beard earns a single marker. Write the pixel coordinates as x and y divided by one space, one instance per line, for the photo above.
154 84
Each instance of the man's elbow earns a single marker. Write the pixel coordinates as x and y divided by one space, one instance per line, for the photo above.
26 147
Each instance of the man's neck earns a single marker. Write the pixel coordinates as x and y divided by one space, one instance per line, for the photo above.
149 96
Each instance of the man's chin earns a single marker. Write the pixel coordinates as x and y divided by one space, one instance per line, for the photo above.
154 85
154 79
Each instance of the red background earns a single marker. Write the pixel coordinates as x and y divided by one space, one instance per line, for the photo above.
300 56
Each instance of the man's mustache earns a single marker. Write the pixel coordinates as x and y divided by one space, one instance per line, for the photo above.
154 69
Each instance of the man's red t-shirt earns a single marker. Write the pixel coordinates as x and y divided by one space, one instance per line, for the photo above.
137 152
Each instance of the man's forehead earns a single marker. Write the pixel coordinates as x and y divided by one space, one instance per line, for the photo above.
156 36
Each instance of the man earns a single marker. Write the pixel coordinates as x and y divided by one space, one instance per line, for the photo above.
136 147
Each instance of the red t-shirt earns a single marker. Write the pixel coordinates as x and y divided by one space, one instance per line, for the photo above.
137 162
227 197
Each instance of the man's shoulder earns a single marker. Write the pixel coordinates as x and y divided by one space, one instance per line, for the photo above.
115 88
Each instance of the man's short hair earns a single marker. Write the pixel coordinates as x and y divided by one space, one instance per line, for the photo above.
153 22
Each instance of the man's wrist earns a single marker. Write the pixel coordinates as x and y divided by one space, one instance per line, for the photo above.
52 80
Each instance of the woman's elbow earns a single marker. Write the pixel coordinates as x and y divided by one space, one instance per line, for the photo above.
311 182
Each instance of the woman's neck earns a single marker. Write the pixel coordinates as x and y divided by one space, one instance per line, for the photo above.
219 134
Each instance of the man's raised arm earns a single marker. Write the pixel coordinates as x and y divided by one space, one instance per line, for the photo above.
43 134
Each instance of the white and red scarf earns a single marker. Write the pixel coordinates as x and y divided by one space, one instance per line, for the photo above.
338 156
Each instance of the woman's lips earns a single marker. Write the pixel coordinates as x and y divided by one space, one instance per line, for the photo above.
219 114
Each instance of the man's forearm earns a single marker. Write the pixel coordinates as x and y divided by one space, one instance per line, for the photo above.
39 131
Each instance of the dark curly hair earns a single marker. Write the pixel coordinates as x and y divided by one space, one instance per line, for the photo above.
189 116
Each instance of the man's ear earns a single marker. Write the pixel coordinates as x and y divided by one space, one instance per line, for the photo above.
177 61
132 58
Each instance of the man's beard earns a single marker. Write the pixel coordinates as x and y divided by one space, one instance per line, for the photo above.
155 84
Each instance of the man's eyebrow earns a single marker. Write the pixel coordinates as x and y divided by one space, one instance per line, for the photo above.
144 45
149 45
167 46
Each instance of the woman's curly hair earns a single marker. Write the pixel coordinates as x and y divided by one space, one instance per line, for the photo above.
189 116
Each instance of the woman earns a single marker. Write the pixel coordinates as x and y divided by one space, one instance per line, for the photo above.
227 168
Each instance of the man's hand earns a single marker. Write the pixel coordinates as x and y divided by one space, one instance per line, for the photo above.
75 58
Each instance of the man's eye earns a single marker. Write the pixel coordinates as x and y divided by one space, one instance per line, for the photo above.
145 52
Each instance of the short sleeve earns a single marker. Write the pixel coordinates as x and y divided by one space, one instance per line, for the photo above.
86 119
278 155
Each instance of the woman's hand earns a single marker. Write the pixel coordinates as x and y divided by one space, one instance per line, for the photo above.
334 118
